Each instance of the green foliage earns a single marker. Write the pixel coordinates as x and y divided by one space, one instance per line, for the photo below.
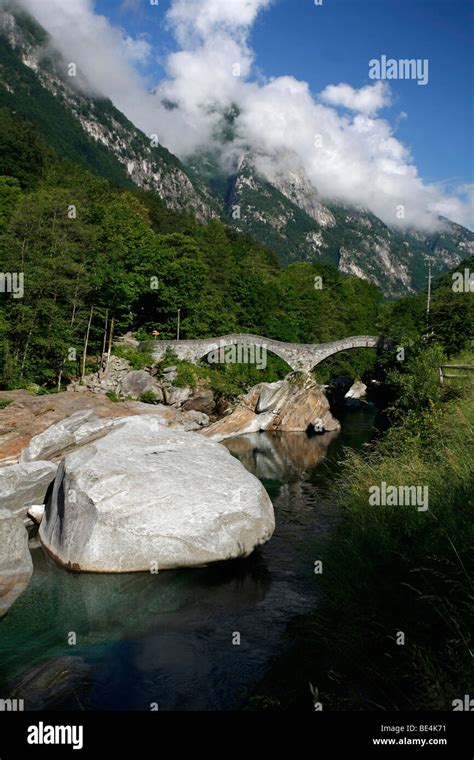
416 381
122 261
138 359
22 153
187 375
148 397
451 321
391 564
5 402
112 396
10 193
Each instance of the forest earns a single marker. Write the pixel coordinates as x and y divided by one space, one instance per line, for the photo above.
97 260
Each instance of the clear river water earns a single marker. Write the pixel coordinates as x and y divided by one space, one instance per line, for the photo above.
171 641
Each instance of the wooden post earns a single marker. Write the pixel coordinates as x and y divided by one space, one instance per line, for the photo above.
86 341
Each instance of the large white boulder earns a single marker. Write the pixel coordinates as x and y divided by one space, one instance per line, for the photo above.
16 566
24 484
147 497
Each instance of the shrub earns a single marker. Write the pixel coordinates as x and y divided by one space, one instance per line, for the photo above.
112 396
148 397
137 358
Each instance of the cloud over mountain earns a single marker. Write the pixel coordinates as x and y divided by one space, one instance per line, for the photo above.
349 152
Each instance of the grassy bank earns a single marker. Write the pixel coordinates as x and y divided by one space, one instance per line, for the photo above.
395 627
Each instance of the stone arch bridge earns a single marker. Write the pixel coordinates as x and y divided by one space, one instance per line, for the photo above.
299 356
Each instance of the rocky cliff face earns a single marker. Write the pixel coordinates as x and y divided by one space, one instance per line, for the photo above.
283 210
273 199
143 162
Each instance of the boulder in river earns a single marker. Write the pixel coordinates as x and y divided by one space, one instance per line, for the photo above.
58 683
294 405
25 484
356 394
147 496
16 566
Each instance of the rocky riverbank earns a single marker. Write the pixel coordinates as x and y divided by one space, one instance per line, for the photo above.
130 486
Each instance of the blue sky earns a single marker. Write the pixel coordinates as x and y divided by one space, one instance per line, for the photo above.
333 43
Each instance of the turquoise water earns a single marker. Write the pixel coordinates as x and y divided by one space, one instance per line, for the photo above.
168 641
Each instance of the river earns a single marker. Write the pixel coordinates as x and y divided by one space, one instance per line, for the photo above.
189 639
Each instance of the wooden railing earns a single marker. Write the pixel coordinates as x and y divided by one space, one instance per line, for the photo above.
443 375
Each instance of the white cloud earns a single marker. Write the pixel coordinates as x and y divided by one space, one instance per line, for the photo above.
198 19
368 100
351 155
104 55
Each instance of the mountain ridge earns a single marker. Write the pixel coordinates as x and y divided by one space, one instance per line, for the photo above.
280 209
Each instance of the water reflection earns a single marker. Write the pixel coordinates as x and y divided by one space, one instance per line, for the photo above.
280 456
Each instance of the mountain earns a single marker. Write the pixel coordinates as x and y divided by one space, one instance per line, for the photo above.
283 210
279 207
91 131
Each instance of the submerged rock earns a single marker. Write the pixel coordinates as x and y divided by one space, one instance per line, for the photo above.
294 405
147 497
16 566
278 456
55 683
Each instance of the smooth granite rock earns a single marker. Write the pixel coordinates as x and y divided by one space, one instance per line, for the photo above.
357 391
176 396
16 566
294 405
138 382
146 497
78 429
25 484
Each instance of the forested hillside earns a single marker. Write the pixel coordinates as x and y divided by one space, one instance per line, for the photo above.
99 260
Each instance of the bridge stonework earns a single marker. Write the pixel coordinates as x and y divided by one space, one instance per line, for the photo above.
299 356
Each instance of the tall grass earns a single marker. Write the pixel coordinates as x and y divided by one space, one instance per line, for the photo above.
393 571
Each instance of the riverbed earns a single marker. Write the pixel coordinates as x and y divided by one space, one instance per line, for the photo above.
190 639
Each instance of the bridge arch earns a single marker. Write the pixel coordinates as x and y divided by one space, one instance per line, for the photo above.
245 346
298 356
